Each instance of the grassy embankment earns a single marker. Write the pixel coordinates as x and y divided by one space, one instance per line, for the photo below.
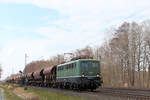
46 95
8 94
33 94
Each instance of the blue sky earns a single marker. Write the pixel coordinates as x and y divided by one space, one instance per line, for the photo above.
43 28
19 20
22 14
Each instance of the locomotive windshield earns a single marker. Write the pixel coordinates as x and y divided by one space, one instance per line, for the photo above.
89 63
90 68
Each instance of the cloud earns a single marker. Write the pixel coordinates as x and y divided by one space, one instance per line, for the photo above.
75 33
104 13
12 28
90 17
76 6
17 1
12 54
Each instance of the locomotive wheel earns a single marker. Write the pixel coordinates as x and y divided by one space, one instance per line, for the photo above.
75 87
71 87
60 86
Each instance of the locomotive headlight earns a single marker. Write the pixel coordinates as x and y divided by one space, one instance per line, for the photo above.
97 75
83 75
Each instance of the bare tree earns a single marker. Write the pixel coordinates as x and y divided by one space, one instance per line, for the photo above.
126 56
38 65
146 31
85 51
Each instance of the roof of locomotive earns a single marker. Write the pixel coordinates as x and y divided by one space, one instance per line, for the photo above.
77 61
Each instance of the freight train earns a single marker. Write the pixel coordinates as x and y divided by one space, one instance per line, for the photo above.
80 73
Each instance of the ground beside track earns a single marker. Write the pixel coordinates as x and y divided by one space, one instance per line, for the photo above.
96 95
40 93
8 94
34 94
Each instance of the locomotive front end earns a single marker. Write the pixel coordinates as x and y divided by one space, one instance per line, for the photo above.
90 74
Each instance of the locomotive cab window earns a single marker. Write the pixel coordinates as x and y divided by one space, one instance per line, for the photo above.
84 64
94 64
89 64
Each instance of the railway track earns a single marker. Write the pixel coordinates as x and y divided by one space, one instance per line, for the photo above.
138 94
125 93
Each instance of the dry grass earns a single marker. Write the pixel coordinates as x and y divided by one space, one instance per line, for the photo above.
9 95
34 94
25 94
20 92
48 95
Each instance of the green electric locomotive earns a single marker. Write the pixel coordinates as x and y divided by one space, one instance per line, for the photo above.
79 74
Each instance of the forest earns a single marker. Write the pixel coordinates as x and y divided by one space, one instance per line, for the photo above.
124 56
